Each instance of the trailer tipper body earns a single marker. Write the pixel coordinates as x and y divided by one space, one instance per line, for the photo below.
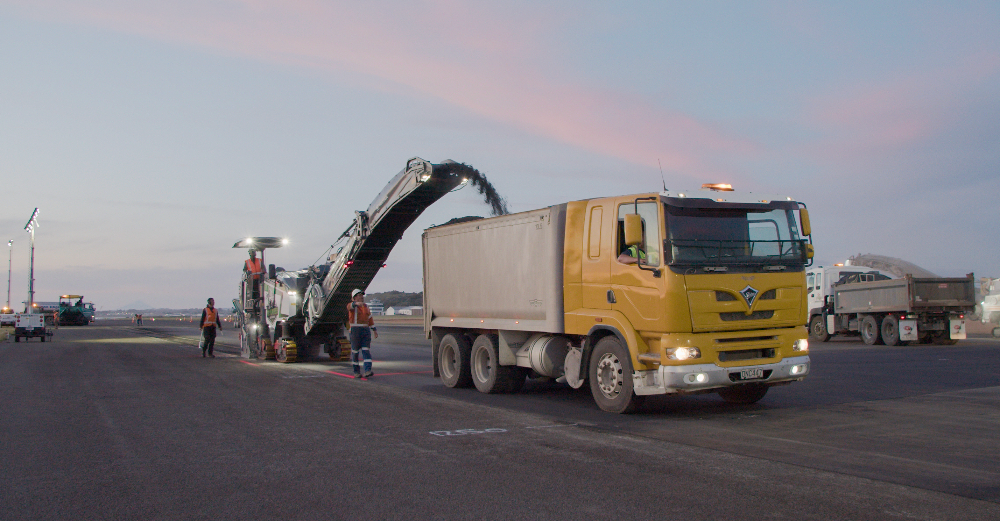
668 293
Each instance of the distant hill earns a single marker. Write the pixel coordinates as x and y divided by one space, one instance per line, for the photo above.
397 298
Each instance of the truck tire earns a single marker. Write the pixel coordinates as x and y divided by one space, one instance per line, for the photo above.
611 377
890 331
817 329
870 331
745 394
487 373
43 338
17 338
453 361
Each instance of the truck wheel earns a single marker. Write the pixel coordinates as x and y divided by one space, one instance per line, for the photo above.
870 332
487 373
817 329
890 331
43 338
611 377
17 338
743 394
453 361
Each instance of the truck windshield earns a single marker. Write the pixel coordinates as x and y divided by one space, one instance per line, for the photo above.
700 236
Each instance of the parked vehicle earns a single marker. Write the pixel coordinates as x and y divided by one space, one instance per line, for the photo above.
31 325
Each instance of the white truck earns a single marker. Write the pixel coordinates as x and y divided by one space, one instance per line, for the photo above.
30 325
854 300
989 308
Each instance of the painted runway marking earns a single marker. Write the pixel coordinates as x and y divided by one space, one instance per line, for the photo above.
250 363
463 432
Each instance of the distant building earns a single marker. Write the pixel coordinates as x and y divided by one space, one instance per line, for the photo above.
376 307
416 311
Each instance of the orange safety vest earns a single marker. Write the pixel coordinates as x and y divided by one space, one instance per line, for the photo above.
363 316
211 317
254 267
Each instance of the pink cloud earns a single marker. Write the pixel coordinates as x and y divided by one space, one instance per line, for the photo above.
888 116
485 58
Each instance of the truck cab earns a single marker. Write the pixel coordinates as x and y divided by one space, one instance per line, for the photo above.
819 287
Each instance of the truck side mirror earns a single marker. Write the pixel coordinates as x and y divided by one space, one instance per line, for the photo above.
809 251
806 228
633 229
270 271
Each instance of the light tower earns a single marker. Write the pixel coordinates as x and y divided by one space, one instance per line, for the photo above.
30 228
10 252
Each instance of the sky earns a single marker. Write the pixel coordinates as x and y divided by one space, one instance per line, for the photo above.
152 135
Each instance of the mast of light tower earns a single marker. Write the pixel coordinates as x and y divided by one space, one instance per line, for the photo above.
30 228
10 253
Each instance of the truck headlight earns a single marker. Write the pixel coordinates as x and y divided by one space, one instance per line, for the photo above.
683 353
801 344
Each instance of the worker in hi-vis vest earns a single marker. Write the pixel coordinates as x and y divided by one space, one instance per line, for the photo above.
359 316
253 266
209 321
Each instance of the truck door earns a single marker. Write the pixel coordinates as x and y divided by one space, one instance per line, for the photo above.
638 291
814 288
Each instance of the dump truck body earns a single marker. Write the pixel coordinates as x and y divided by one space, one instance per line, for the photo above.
715 304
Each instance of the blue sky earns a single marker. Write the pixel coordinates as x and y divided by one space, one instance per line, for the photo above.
153 135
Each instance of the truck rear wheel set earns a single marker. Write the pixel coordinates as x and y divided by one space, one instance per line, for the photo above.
487 373
453 361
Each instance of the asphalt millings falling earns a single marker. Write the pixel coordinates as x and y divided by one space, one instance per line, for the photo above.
498 204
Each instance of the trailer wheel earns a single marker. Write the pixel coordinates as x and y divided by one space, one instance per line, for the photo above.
453 360
890 331
817 329
611 377
17 338
745 394
487 373
870 332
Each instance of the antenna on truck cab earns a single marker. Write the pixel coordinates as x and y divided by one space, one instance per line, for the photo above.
661 174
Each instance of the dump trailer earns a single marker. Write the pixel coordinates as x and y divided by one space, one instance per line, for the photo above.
300 314
660 293
899 311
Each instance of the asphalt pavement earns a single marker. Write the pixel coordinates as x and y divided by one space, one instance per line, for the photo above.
114 421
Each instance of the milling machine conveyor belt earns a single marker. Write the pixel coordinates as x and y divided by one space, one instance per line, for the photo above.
373 235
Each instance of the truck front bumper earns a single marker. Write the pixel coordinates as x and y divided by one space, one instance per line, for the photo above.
693 378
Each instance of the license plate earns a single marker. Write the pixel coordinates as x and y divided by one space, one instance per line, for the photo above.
752 374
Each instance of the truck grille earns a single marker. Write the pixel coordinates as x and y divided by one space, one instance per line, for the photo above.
739 315
745 354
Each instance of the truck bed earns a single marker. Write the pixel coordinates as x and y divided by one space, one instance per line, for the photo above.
909 294
499 273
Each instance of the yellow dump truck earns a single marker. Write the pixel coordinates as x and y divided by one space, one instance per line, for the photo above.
662 293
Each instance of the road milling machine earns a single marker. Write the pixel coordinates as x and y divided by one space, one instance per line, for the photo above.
297 315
